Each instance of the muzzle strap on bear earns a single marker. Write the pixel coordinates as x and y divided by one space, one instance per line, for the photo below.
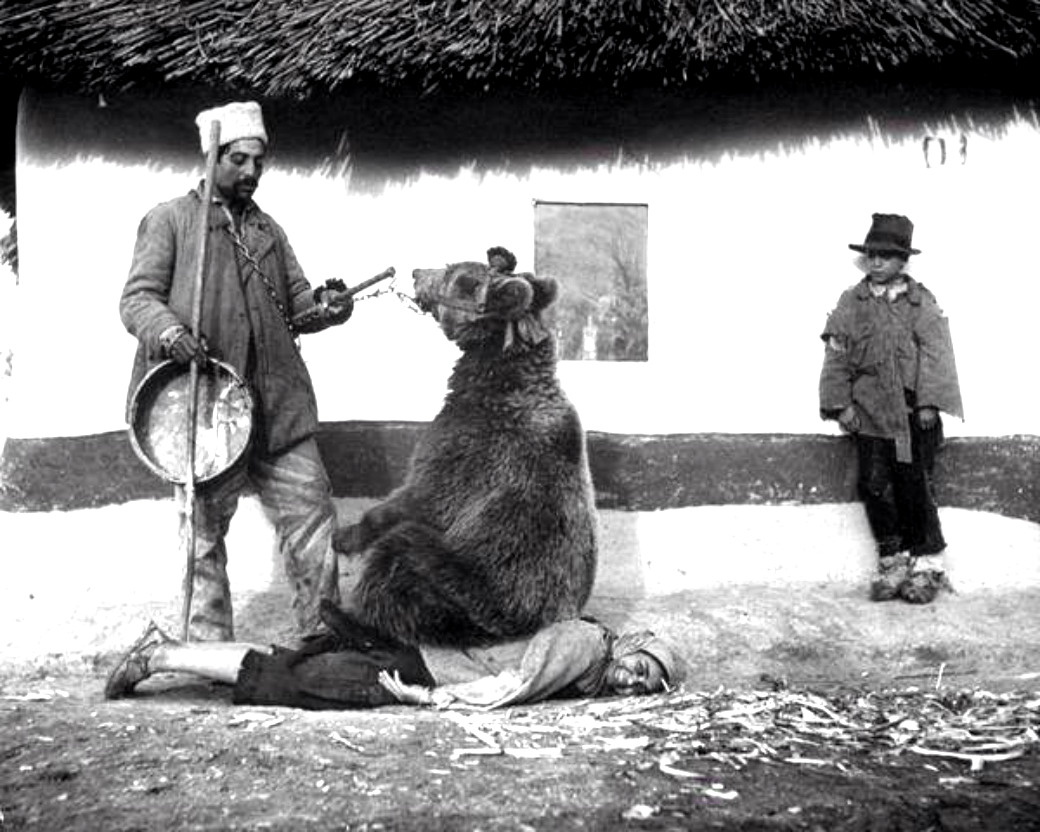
528 329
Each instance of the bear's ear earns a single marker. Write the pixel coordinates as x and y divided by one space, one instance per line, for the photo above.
510 298
545 291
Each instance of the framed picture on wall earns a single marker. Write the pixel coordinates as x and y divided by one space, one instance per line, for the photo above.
597 253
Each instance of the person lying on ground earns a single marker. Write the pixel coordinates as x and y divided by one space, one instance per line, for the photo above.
576 658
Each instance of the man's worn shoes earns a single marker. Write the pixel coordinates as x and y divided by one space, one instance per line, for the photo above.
133 666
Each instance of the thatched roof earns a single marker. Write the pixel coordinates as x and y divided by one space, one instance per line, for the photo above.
309 47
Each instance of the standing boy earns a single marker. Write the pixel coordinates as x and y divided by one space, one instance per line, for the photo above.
888 371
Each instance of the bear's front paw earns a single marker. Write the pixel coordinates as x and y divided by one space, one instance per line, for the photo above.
348 540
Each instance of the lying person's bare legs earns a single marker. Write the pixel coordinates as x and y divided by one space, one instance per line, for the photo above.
157 652
216 660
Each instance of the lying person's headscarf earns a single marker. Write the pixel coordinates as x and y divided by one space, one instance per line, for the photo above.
567 659
648 642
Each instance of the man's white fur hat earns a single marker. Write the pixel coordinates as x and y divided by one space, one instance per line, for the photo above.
238 120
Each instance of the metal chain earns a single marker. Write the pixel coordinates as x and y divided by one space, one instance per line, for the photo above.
391 289
410 302
250 258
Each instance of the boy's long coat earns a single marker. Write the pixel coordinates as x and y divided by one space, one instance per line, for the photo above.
877 349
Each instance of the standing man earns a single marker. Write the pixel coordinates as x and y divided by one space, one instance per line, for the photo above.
888 370
255 302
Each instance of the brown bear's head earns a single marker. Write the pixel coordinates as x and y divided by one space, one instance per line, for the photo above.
477 306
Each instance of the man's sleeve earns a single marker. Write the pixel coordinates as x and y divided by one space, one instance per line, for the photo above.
143 305
298 288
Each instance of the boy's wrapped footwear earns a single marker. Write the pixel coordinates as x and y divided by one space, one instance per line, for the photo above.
924 585
132 668
893 570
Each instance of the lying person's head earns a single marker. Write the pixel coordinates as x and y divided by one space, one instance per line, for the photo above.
640 662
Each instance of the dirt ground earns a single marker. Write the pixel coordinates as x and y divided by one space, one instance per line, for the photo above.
843 744
180 756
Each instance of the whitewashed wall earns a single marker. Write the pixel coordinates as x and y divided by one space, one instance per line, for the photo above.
8 316
746 256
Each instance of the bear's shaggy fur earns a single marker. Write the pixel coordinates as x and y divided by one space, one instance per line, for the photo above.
493 532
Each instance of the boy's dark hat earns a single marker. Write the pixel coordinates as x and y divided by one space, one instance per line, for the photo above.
888 232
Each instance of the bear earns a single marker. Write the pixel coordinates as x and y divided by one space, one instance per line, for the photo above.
493 532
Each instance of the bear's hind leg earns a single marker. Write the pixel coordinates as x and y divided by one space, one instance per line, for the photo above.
413 590
352 633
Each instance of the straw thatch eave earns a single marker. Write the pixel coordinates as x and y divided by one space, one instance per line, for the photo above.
312 47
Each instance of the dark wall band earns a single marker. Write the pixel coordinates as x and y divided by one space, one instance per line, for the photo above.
630 472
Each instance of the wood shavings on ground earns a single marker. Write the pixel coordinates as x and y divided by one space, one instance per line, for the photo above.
337 737
38 695
255 719
799 728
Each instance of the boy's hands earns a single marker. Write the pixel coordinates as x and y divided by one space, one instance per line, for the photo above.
848 419
927 418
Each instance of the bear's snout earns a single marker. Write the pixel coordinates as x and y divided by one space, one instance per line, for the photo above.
429 285
460 286
423 278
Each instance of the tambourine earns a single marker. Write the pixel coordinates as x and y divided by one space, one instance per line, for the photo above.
159 420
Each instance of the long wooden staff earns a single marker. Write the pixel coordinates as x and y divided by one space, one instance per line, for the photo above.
202 251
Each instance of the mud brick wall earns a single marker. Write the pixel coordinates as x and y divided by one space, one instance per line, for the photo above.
630 472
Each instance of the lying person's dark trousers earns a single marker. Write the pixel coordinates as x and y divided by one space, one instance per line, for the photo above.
326 675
